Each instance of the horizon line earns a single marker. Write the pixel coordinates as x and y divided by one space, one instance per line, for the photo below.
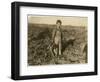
55 24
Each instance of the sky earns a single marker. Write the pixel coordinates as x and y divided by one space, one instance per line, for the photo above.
66 20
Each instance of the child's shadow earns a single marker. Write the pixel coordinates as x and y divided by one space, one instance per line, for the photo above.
65 44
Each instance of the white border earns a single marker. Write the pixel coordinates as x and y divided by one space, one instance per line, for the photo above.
54 69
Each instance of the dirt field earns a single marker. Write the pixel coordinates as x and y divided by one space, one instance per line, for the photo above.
74 45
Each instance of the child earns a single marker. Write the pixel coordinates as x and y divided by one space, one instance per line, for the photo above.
56 38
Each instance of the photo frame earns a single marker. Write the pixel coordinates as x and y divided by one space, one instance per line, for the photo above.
71 52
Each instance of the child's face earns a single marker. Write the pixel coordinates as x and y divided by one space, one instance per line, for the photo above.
58 24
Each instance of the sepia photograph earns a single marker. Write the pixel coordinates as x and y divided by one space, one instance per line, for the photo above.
53 40
56 40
